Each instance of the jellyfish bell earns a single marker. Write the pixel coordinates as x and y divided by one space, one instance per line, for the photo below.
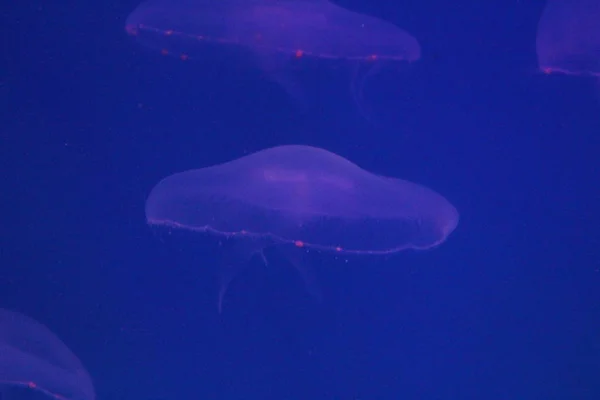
568 38
296 199
279 34
32 358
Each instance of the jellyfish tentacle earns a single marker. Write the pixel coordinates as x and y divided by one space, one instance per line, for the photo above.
297 259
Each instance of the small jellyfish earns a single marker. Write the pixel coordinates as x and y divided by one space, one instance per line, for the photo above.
568 38
31 356
276 33
298 198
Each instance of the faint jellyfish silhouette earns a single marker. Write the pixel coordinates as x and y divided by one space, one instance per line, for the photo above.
276 32
568 38
298 198
31 356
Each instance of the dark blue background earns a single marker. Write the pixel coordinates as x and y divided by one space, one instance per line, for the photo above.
507 308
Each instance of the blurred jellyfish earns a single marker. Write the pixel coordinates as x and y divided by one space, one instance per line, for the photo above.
275 32
299 198
31 356
568 38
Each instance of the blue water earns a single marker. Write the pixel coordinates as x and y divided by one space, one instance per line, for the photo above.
507 308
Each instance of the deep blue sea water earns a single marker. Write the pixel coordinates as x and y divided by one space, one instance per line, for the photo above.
507 308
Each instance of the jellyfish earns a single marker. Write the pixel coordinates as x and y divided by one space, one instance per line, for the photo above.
276 33
568 38
32 357
299 198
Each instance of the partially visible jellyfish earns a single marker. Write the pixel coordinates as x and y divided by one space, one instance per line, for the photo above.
32 357
568 38
298 198
275 32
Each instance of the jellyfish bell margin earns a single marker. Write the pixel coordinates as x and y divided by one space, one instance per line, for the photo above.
297 198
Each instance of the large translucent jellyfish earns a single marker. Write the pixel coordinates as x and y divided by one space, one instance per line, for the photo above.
297 198
31 356
568 39
275 32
